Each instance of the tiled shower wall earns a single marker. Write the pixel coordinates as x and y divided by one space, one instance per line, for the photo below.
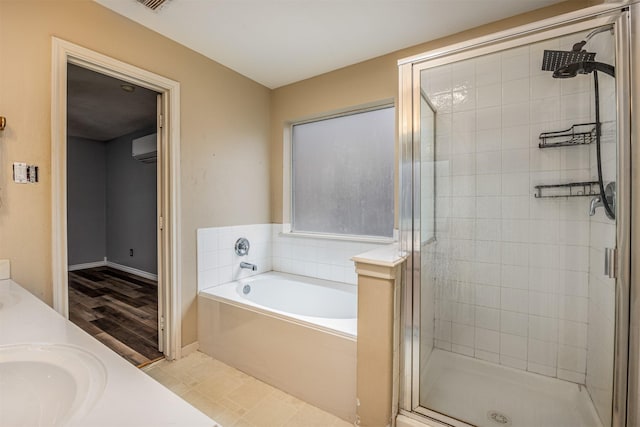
271 250
510 272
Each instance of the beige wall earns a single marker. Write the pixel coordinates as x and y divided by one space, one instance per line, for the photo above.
228 122
363 83
224 127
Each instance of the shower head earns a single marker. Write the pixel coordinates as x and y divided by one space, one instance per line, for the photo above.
561 62
553 60
585 67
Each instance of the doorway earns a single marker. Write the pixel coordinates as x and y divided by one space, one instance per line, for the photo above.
64 56
112 211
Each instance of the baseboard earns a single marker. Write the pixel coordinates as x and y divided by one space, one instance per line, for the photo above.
132 270
190 348
87 265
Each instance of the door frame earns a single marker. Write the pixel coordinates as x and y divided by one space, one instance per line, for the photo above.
169 272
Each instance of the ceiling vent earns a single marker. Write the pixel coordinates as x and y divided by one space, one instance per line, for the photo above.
153 4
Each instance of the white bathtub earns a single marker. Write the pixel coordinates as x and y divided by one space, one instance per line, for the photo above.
329 306
295 333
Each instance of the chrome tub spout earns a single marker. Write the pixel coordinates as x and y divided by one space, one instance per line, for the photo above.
249 266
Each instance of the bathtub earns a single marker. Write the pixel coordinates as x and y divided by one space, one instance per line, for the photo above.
296 333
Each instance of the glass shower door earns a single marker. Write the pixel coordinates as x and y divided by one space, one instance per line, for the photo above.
513 220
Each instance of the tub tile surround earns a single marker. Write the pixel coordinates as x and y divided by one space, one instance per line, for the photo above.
273 250
510 272
242 332
216 257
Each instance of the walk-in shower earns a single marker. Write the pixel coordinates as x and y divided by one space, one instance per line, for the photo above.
511 146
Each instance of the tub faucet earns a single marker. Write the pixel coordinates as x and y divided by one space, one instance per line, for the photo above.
249 266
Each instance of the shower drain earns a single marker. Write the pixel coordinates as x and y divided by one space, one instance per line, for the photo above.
499 418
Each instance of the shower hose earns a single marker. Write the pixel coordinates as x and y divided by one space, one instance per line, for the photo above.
603 197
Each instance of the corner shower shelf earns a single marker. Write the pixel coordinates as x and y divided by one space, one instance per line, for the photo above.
572 189
579 134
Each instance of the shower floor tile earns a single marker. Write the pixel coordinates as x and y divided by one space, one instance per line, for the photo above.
488 395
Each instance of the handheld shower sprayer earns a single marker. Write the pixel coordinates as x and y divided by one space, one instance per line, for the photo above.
585 67
568 64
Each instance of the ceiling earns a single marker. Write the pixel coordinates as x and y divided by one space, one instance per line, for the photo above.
99 109
277 42
274 42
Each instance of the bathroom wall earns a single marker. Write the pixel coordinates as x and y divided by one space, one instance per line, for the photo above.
511 270
228 122
369 81
86 203
131 206
111 204
270 249
224 128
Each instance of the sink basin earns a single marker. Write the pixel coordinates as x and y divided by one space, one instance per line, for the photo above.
47 384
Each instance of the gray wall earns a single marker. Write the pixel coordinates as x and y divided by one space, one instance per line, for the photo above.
86 203
111 204
131 206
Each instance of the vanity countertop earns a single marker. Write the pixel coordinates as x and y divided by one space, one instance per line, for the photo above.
130 397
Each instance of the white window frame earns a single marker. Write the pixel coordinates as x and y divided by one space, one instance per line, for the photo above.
287 178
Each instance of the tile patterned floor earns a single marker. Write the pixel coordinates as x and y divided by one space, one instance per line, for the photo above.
233 398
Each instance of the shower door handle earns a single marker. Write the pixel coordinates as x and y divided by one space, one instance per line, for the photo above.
610 262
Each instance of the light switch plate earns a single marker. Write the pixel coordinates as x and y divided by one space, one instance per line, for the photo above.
24 173
20 172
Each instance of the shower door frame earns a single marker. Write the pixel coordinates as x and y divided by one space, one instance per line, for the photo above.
626 374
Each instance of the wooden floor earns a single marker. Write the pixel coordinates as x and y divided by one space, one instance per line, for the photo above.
119 309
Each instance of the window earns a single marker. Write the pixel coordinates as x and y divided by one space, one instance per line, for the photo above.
342 171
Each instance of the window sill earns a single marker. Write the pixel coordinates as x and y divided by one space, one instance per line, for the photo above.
339 237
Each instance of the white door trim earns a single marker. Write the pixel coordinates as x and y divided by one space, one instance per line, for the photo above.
64 52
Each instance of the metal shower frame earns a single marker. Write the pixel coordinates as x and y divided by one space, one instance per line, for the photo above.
627 333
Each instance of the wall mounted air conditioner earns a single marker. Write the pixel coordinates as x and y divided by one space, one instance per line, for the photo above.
144 149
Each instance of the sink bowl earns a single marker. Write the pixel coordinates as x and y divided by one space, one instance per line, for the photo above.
47 384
